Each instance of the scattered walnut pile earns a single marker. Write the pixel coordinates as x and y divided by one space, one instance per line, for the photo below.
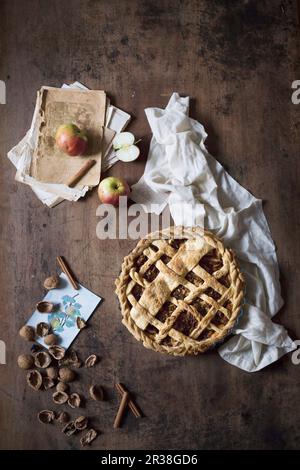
54 369
78 425
43 330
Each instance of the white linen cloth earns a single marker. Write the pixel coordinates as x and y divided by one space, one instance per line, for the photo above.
179 170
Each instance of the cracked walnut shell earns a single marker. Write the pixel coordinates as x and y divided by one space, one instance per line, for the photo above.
74 400
91 360
34 379
36 348
70 359
69 429
60 397
96 392
42 329
88 437
42 359
62 417
48 383
57 352
46 416
25 361
51 282
81 423
80 322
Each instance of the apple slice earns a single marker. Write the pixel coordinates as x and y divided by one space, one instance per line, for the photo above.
128 154
124 139
124 146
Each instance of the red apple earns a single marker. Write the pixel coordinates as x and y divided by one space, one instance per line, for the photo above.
111 188
71 140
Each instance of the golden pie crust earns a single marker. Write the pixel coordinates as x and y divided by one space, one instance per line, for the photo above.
180 291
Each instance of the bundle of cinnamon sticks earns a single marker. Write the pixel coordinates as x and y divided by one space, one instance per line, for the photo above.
126 401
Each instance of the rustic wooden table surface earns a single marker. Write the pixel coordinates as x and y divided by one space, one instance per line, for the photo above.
237 63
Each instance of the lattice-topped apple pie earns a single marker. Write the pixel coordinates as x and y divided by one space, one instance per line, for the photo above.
180 290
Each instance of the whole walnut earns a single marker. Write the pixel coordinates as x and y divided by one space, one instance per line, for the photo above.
66 375
62 387
25 361
52 372
51 339
27 332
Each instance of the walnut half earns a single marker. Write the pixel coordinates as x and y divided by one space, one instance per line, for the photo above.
74 400
96 392
46 416
34 379
89 437
81 423
91 360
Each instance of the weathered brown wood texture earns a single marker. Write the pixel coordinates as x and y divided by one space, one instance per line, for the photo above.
237 61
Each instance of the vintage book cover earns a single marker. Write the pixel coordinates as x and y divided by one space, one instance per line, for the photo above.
86 109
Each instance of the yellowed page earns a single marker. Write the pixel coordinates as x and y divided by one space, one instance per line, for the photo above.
57 106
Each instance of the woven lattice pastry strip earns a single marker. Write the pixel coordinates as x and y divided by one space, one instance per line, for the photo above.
180 291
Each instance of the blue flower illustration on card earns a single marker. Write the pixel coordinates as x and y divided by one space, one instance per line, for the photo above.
67 316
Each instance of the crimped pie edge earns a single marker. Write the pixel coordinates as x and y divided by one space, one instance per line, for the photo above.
235 274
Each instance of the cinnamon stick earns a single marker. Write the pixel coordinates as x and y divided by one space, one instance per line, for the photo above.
121 410
133 407
65 269
80 173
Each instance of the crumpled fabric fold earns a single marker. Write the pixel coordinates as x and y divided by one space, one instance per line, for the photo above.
181 173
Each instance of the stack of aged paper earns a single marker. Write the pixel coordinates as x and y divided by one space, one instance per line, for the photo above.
43 166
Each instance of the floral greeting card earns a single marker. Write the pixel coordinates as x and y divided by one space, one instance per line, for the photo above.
69 304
